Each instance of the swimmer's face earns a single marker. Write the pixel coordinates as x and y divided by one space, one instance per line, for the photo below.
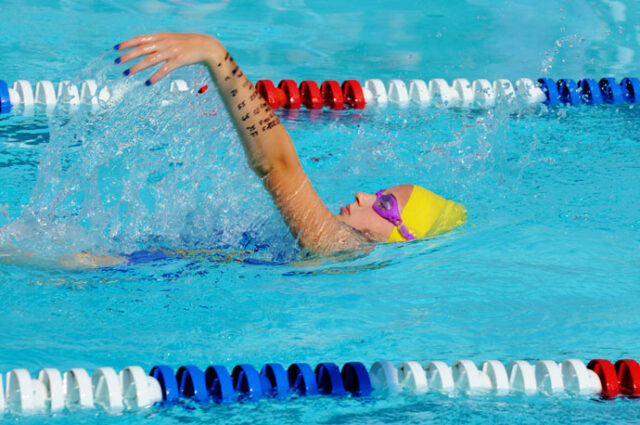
361 215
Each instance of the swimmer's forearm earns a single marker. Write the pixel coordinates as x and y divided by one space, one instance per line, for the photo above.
265 139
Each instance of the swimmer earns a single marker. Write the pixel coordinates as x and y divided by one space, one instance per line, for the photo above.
393 214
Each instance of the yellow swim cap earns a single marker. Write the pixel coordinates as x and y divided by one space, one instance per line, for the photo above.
427 214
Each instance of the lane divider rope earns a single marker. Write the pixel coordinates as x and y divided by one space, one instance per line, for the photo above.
352 94
133 389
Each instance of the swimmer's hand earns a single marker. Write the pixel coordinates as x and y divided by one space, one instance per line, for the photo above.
174 49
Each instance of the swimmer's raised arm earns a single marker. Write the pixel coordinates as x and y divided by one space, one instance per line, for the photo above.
270 151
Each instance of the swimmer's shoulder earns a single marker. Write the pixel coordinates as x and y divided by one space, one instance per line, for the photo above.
343 238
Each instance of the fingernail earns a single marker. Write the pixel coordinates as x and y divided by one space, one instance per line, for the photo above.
147 83
118 60
126 72
116 47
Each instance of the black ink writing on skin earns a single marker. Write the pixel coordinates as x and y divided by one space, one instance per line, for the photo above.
269 125
252 130
241 105
240 74
245 117
256 111
234 70
234 92
253 96
227 56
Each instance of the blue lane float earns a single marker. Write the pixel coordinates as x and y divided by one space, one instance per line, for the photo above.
632 89
219 384
591 94
612 92
355 378
275 382
302 380
168 383
191 383
5 100
550 90
568 90
329 379
246 382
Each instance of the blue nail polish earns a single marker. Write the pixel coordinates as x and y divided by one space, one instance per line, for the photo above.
126 72
148 82
118 60
116 47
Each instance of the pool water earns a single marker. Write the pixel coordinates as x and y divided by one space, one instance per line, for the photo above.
547 266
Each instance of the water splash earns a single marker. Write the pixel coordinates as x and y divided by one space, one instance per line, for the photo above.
550 56
148 169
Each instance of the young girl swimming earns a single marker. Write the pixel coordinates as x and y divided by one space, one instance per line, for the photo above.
398 213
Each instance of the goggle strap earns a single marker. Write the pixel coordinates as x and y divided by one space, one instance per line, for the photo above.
405 232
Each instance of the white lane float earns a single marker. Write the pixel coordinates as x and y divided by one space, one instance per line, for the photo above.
377 90
138 389
68 93
522 377
107 390
498 377
579 380
548 377
412 377
419 92
462 87
55 395
468 379
384 377
24 395
504 91
397 92
78 389
483 94
45 93
439 376
441 94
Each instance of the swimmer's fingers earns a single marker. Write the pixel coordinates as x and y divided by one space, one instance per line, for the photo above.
149 61
138 40
141 50
163 71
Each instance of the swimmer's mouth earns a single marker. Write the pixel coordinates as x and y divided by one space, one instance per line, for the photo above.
345 210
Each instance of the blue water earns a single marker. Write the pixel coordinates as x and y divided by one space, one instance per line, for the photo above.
546 267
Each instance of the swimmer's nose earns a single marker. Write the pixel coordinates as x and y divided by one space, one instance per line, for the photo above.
365 199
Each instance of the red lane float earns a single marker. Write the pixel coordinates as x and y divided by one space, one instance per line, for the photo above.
291 94
629 377
311 96
269 92
353 94
608 377
332 94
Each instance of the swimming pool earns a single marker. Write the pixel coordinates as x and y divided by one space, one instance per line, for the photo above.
546 266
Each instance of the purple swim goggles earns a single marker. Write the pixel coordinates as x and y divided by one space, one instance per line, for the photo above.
387 207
